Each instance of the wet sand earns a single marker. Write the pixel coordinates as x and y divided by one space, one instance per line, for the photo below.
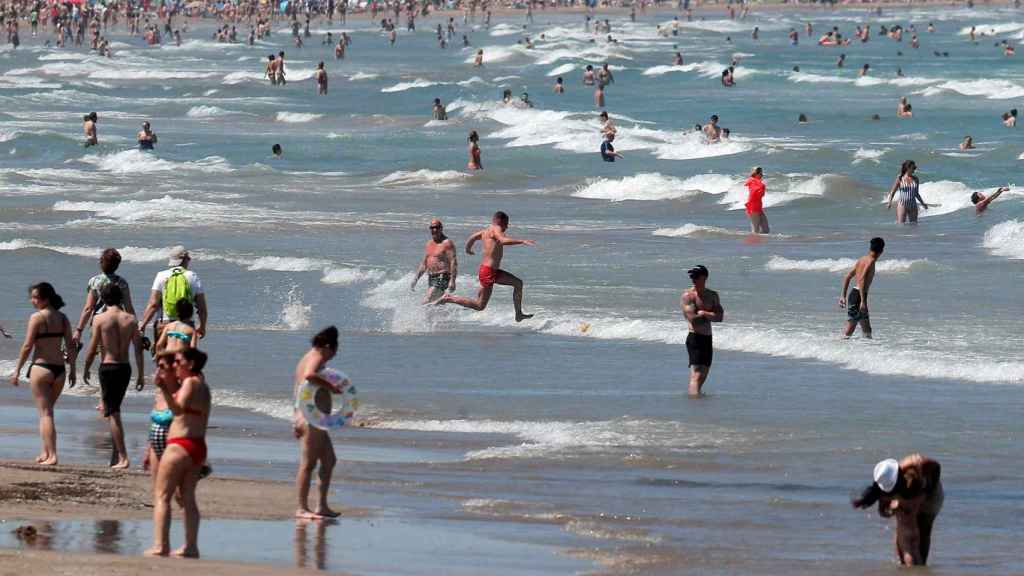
28 562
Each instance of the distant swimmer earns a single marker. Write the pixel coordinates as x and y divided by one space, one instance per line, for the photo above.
280 68
440 112
910 490
802 119
794 37
755 202
321 79
856 301
339 49
89 127
270 72
677 60
711 130
755 34
981 201
277 151
728 77
1009 118
841 61
559 86
475 163
608 153
701 307
903 109
906 191
146 137
439 262
588 75
967 144
599 96
494 240
392 37
604 76
607 127
864 70
479 60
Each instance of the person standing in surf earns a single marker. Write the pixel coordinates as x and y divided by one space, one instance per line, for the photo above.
856 301
755 202
906 191
475 163
910 490
494 240
701 307
321 79
439 262
315 445
89 127
146 137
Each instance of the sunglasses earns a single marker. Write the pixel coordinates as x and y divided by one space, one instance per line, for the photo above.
436 227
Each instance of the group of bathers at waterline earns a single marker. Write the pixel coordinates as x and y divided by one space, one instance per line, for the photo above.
176 451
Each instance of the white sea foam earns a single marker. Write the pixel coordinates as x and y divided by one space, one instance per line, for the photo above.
992 29
297 117
653 186
807 77
868 155
295 314
424 176
505 30
139 162
206 112
1006 239
417 83
497 53
363 76
285 263
694 230
347 276
993 89
561 70
781 264
128 253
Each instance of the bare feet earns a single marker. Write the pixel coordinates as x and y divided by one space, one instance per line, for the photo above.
41 458
120 465
325 512
520 316
50 461
155 551
186 552
306 514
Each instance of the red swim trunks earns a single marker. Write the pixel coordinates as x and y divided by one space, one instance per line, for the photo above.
488 276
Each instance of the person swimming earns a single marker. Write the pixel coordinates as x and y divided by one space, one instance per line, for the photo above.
147 138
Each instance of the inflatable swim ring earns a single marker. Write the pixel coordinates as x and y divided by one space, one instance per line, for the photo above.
345 404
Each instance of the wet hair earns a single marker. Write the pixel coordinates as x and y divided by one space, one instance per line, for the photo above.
437 101
110 259
796 68
976 197
802 118
714 117
877 245
196 356
111 294
184 309
276 149
559 81
93 117
46 292
876 117
473 136
1013 112
326 338
906 166
726 132
603 114
698 127
500 217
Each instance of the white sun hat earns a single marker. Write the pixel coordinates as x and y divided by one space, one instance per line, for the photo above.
886 473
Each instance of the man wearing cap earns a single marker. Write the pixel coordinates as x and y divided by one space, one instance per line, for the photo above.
155 309
910 490
701 307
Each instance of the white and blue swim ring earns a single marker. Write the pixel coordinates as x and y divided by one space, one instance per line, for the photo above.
345 404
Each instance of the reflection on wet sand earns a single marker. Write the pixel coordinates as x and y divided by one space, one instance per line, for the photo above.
319 529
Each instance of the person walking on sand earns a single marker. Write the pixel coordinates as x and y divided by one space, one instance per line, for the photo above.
439 262
755 202
701 307
47 328
178 471
490 273
910 490
171 285
315 445
475 162
906 191
856 300
115 331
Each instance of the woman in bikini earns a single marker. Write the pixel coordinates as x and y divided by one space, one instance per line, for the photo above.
474 152
47 330
181 333
185 453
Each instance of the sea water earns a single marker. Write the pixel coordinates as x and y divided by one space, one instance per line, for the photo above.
577 419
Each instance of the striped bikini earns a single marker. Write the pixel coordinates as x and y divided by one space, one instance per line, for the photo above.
906 193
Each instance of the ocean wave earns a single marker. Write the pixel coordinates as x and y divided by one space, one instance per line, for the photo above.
139 162
993 89
869 155
346 276
653 186
1006 239
424 176
363 76
696 230
781 264
417 83
297 117
992 29
497 53
561 70
128 253
206 112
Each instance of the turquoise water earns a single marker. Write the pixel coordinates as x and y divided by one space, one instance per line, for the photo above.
578 413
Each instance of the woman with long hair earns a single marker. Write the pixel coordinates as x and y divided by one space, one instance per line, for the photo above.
906 191
48 339
755 202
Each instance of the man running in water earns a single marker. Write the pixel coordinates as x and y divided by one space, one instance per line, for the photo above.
439 262
115 331
701 307
856 303
494 240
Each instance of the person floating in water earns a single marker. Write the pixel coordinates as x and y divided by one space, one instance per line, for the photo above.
981 201
856 302
910 490
494 240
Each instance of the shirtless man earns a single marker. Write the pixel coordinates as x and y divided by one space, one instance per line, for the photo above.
115 331
981 201
315 444
321 79
439 262
711 130
89 127
490 273
271 71
701 307
910 490
479 59
856 303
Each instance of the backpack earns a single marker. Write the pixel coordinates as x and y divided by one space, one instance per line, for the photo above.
176 288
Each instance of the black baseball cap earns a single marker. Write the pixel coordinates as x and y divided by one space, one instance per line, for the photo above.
698 270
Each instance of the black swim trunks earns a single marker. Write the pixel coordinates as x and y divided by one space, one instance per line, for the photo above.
439 280
699 348
853 313
114 379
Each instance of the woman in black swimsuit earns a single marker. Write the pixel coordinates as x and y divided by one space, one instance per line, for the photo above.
47 330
